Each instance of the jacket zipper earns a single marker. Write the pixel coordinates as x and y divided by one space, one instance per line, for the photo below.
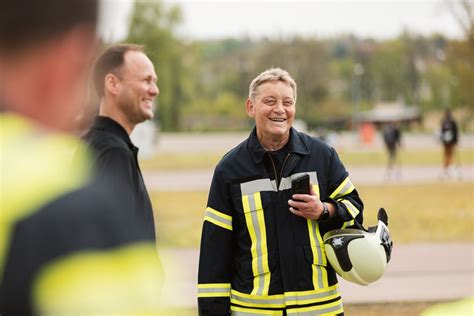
278 180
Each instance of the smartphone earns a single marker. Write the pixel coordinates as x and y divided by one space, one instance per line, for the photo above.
301 185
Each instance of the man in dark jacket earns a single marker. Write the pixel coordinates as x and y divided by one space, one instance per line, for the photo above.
449 139
261 247
125 80
392 140
67 246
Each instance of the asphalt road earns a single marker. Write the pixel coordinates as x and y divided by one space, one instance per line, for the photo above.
416 272
190 180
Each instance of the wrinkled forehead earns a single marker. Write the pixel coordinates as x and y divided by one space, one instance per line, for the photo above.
275 88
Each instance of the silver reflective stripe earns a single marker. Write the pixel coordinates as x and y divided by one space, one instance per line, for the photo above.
237 297
315 312
258 236
258 186
218 218
316 240
344 190
285 183
212 290
241 313
295 298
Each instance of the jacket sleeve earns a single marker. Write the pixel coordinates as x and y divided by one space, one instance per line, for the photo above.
215 260
343 194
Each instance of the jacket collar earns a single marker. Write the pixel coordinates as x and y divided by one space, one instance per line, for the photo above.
107 124
295 145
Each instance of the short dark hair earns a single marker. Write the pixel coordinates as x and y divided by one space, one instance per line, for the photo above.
26 22
110 61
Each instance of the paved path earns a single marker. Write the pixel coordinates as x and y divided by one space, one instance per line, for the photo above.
189 180
417 272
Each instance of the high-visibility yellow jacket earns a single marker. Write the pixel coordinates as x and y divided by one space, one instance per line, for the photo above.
256 257
67 244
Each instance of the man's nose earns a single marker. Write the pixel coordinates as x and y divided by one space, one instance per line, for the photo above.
154 91
279 107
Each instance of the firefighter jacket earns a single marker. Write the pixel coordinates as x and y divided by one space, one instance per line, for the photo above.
68 244
256 257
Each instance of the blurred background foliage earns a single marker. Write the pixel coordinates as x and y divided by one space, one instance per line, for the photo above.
204 83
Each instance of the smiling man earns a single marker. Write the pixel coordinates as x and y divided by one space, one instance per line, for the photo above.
261 247
125 80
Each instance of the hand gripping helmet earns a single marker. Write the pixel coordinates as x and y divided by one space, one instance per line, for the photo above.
360 255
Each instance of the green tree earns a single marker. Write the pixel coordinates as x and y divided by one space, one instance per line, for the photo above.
154 25
461 52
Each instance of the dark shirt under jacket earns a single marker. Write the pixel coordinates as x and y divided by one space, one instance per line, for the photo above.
116 154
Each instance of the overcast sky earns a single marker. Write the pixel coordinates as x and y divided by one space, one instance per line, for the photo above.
379 19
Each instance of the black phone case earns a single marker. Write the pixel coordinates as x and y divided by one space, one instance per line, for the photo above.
300 185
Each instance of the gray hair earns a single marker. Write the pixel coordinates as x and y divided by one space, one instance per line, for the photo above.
271 75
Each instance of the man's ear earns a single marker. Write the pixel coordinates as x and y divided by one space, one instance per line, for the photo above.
111 83
250 108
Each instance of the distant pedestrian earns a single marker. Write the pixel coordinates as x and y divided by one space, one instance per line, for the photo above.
392 140
449 138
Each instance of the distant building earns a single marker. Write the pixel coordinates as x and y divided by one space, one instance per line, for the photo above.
384 112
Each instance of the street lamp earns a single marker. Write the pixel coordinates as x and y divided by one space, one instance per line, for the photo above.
356 88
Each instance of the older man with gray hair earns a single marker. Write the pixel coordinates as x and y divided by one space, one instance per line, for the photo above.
271 200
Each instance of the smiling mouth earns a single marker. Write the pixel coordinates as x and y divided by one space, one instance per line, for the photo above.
278 120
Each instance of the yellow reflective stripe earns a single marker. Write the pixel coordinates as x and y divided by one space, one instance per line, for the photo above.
323 309
287 299
349 223
218 218
241 311
312 296
214 290
265 301
33 166
344 188
120 281
319 273
255 221
353 211
264 251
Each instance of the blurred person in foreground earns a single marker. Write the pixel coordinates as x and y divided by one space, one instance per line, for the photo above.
67 246
261 247
448 134
392 139
125 82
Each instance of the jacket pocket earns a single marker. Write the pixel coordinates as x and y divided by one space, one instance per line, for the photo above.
260 266
249 203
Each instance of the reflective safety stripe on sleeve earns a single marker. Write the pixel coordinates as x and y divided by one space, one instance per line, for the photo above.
344 188
218 218
353 211
214 290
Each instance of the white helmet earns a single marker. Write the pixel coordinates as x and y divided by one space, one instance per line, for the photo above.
360 255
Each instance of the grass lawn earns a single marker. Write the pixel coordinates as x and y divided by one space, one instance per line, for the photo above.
172 161
417 213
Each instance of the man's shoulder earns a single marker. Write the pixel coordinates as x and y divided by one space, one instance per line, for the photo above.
238 153
101 140
314 143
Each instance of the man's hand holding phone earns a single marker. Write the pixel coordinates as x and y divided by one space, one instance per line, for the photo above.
305 202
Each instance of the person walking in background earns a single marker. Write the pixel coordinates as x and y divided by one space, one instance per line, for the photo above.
67 246
448 134
261 247
392 139
125 81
